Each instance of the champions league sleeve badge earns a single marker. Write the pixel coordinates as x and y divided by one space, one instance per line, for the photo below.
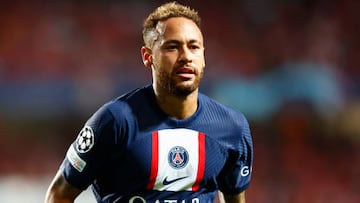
85 140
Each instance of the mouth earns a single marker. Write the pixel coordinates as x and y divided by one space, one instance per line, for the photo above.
185 72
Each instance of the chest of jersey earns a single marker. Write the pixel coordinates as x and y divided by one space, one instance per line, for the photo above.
168 160
177 161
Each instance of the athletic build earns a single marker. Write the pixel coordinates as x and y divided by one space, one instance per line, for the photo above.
165 142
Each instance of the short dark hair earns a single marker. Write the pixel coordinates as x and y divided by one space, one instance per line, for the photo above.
164 12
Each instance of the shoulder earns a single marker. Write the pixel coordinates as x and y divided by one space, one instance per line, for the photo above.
123 105
116 112
222 111
230 124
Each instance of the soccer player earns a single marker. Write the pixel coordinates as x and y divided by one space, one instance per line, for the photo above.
165 142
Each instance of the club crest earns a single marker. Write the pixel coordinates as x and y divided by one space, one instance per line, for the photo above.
178 157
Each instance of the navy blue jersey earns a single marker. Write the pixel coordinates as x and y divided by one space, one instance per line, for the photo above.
131 151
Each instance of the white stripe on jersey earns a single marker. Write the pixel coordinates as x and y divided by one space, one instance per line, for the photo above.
178 171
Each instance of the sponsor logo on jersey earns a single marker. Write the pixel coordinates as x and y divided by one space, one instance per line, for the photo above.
178 157
168 182
139 199
85 140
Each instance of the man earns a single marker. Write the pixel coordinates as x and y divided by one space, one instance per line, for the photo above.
165 142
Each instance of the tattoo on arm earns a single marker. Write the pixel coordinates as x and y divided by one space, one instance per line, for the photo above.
59 182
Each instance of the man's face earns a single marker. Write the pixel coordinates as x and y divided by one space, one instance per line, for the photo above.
178 57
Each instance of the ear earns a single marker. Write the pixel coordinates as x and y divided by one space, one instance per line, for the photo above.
204 63
146 55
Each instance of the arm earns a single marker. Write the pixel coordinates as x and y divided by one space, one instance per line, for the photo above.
60 191
238 198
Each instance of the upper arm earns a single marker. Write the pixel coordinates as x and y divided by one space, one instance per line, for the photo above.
60 191
237 198
236 174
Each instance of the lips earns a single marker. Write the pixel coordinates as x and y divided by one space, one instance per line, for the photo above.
185 72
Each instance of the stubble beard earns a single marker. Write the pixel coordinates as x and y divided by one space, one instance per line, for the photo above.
176 89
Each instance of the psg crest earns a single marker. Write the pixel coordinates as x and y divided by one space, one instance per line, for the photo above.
178 157
85 140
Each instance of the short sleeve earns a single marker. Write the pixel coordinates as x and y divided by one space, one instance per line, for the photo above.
86 154
236 175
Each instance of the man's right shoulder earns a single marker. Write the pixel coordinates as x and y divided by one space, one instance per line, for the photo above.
131 95
124 104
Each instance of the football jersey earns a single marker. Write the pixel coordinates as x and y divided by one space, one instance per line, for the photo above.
131 151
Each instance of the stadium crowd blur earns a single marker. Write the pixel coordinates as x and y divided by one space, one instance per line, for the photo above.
292 67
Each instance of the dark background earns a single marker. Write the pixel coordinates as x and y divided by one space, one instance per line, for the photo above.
291 66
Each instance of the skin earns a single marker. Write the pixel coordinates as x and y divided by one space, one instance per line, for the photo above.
239 198
177 62
60 191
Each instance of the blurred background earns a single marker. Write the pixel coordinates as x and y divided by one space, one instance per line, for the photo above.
291 66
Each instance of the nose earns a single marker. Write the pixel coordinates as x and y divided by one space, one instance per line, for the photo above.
185 55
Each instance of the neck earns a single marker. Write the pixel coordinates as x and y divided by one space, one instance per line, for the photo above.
177 107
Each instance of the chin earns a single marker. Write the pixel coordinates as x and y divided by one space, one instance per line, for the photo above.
184 90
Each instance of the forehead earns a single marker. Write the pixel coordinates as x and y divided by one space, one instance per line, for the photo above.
178 28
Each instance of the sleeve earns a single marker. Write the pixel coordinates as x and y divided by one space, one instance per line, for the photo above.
87 153
236 175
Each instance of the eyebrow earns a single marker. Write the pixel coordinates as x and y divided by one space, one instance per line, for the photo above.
174 41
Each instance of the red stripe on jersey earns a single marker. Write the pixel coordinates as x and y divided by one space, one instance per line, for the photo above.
154 160
201 165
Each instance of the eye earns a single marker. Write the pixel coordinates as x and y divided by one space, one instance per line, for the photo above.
171 47
194 46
